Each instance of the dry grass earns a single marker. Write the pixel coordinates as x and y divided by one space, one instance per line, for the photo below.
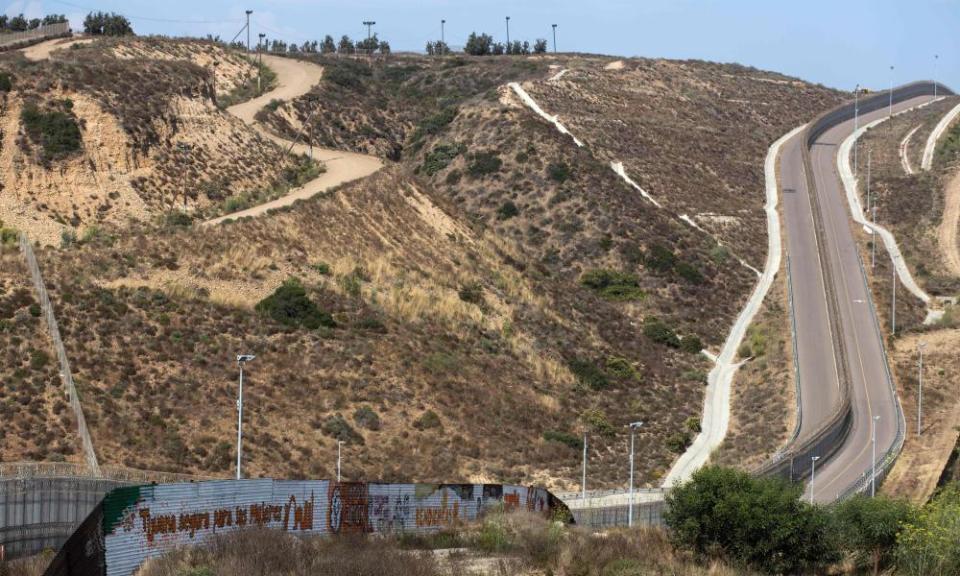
32 566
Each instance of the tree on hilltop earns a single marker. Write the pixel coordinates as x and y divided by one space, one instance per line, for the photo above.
104 24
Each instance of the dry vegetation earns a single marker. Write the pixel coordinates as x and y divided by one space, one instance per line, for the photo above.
474 308
37 424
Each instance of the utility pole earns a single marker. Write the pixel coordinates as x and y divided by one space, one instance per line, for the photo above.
893 305
873 245
554 38
339 444
813 474
891 91
583 482
260 62
249 12
508 34
369 24
856 125
921 346
633 430
873 476
241 358
936 57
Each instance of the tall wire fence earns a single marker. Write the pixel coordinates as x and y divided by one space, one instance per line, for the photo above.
90 456
27 36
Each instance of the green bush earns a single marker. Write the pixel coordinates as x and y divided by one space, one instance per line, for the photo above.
365 417
338 428
868 527
53 128
564 438
693 424
507 211
427 420
471 293
558 172
621 368
440 157
290 306
691 344
927 543
613 285
483 164
435 124
760 523
678 442
656 330
322 268
588 374
659 258
35 310
596 420
178 219
39 359
689 273
6 82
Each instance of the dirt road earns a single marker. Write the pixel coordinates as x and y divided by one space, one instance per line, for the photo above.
42 50
296 78
947 233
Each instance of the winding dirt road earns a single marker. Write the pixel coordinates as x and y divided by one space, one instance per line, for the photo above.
42 50
947 233
296 78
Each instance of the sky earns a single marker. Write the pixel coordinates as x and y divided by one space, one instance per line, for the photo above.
839 43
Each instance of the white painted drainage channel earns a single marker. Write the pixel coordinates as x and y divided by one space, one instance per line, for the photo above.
716 409
857 211
905 150
716 406
938 131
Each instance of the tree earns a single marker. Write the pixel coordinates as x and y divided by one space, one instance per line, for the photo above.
368 45
4 22
868 528
540 46
34 24
478 45
103 24
927 543
54 19
497 49
18 23
293 48
346 45
328 46
384 47
761 523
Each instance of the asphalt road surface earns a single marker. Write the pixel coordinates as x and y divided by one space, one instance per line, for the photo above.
817 361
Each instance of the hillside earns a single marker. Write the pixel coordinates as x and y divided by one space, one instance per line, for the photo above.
474 307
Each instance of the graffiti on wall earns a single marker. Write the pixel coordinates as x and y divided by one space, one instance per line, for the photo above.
145 521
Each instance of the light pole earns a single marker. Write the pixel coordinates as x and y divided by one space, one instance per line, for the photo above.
873 476
936 57
891 91
241 359
633 430
369 24
249 12
583 482
893 301
508 34
260 61
856 125
554 38
339 444
921 346
443 32
813 474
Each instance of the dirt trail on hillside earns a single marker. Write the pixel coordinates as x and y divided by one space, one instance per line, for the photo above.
42 50
947 233
905 150
296 78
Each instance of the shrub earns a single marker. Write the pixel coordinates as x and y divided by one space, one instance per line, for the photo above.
53 128
435 124
178 219
678 442
507 210
322 268
478 45
441 363
471 293
621 368
691 344
656 330
35 310
39 359
693 424
868 528
659 258
483 164
613 285
564 438
440 157
558 172
365 417
689 273
6 82
927 542
290 306
588 374
597 421
104 24
273 104
757 522
338 428
427 420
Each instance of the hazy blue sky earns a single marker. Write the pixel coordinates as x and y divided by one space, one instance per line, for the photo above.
838 42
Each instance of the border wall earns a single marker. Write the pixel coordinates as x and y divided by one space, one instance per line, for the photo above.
14 40
134 523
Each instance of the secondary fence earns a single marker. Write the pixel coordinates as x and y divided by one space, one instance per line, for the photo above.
133 524
19 39
90 456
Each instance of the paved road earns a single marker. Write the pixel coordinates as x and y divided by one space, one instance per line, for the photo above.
856 325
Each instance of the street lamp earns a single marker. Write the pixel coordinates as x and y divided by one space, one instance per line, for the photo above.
554 38
873 476
921 346
936 57
339 444
856 125
633 430
891 91
583 483
368 24
813 474
249 12
241 359
893 299
508 34
260 60
443 35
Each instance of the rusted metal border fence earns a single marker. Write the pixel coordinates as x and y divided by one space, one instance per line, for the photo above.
90 456
14 39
